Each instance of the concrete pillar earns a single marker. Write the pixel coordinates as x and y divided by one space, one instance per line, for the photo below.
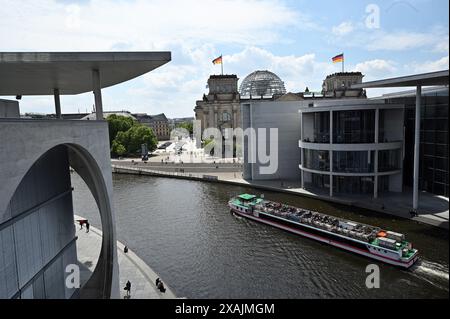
97 94
375 164
416 149
331 153
57 103
301 152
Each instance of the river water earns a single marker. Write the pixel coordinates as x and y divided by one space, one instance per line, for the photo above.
185 232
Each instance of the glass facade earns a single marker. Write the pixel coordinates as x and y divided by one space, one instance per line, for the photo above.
322 127
389 160
317 160
353 161
434 149
320 181
353 184
356 126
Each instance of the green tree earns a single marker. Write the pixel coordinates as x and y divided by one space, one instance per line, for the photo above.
118 123
133 138
189 126
118 149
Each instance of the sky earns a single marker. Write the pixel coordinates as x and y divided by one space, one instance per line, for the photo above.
295 39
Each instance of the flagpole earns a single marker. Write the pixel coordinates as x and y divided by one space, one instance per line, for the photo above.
221 63
343 58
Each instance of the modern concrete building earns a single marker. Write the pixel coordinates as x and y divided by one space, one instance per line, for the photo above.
358 145
418 81
37 234
351 146
261 116
434 146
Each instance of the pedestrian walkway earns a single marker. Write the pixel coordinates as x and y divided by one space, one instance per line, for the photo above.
131 267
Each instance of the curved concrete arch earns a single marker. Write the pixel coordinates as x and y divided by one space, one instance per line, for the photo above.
99 285
87 149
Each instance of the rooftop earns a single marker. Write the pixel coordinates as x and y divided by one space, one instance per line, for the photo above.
424 79
39 73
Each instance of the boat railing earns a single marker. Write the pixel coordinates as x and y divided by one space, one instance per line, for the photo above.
329 223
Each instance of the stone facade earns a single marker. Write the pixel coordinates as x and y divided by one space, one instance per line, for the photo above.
220 108
158 123
339 84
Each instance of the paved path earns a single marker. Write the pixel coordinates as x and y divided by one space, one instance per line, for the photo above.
131 267
433 209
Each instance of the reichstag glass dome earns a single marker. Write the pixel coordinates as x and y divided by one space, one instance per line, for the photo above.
261 83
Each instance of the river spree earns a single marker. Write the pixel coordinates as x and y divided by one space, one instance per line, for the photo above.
186 233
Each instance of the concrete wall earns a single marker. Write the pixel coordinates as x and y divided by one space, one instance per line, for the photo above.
283 116
36 216
9 108
39 243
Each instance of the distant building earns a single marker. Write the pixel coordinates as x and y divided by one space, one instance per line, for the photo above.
220 108
338 85
158 123
176 121
92 116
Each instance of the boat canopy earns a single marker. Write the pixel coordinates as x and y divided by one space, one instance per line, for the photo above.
247 196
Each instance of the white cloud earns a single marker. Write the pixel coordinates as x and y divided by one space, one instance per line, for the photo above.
376 68
343 29
100 24
431 66
401 41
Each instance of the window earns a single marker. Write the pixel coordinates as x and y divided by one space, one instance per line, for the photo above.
353 161
317 160
354 127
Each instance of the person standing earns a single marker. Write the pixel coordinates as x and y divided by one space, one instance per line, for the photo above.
87 227
128 288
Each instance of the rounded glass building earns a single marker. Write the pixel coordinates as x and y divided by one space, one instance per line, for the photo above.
260 84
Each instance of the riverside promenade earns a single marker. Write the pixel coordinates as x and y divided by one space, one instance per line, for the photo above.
433 209
131 267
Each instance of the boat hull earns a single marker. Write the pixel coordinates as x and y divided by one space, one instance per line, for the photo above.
352 248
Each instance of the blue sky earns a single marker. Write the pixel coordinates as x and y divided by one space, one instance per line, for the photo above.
294 39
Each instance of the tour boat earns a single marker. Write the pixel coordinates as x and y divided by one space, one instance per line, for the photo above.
383 245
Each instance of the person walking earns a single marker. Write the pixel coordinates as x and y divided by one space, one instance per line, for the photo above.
161 286
128 288
87 226
125 249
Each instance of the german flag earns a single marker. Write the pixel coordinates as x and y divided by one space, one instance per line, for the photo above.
338 58
217 60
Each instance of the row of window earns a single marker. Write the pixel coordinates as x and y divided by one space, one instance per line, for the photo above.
352 161
354 126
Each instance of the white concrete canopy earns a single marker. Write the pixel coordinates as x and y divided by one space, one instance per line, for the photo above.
424 79
39 73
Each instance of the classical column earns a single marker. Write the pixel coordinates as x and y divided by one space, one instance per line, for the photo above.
97 94
57 103
417 149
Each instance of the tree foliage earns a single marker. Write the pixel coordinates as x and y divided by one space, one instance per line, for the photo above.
118 123
127 136
189 126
